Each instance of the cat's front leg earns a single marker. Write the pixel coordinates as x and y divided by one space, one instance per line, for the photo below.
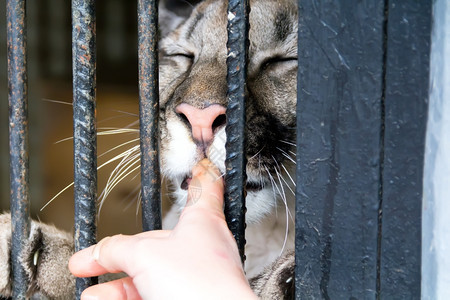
45 260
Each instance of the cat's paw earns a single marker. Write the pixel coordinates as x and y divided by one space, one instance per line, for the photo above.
277 280
45 260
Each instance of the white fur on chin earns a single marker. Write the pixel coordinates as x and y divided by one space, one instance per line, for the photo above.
266 235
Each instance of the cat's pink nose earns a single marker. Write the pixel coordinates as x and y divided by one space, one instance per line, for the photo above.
203 122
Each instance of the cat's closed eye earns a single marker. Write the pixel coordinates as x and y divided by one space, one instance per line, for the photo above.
277 61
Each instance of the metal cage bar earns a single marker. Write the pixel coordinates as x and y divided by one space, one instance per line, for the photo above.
18 140
298 191
235 162
361 121
84 128
148 111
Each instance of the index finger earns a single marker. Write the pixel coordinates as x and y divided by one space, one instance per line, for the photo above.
110 255
85 263
206 186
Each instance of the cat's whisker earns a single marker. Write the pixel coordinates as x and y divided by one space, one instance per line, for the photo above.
121 168
127 113
221 175
121 155
189 3
287 185
260 169
287 214
57 101
63 140
289 143
107 131
289 175
122 116
113 185
257 153
134 191
111 131
130 158
282 177
283 197
276 168
56 196
117 157
118 146
274 186
286 155
139 201
135 176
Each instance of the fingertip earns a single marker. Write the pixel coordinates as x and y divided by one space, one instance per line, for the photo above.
122 288
206 185
205 166
79 259
83 263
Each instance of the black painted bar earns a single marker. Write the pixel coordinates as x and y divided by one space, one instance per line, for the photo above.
339 113
406 103
235 161
148 113
18 140
84 128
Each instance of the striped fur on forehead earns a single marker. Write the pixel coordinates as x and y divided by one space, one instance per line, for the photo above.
279 26
277 20
212 12
283 25
193 24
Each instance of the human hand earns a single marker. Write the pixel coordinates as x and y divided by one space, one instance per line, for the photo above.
198 259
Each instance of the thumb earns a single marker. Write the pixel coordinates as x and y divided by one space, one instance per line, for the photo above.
206 187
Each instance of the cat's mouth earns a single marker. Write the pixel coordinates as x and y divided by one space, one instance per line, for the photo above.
251 186
185 183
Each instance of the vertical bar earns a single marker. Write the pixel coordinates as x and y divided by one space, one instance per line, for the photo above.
84 128
406 104
235 161
436 204
340 80
148 113
298 197
18 139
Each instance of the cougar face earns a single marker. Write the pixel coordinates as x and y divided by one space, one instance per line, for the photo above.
193 100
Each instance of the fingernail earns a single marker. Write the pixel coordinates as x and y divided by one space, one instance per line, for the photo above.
96 251
88 297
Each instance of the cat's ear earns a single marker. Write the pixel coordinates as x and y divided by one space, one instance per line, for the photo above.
172 13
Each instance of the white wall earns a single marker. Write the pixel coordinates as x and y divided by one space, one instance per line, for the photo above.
436 202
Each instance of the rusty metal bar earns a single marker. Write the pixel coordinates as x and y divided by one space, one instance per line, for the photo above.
235 161
18 140
84 128
148 113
